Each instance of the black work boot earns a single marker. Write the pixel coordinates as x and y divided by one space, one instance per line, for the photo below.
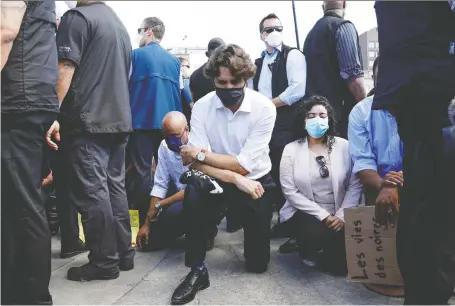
90 272
196 280
126 264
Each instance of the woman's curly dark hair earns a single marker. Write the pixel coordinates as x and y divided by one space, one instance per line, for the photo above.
304 106
232 57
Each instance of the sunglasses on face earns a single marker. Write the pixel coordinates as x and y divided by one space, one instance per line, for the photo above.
323 170
271 29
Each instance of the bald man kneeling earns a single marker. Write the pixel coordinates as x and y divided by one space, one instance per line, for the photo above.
167 193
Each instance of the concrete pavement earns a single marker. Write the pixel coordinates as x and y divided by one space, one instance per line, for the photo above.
157 274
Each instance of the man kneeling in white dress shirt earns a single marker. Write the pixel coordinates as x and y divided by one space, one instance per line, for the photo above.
236 123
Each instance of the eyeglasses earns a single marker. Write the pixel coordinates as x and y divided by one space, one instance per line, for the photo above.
323 171
139 30
271 29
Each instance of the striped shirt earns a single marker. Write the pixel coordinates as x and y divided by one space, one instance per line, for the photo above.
348 52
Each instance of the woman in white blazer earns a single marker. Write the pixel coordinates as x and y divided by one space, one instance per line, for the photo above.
318 183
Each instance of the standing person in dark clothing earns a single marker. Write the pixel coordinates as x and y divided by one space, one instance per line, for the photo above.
200 84
415 84
94 51
281 77
334 62
29 107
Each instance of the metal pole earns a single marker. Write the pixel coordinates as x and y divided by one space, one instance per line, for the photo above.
295 25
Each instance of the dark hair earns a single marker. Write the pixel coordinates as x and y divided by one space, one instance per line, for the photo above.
269 16
375 65
233 57
303 108
156 25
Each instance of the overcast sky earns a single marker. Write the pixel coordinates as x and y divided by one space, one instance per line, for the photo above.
234 21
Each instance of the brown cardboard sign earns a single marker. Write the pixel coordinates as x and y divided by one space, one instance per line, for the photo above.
370 249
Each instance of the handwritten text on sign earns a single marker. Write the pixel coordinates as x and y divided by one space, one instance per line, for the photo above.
370 249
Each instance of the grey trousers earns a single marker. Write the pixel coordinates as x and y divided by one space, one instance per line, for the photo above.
97 189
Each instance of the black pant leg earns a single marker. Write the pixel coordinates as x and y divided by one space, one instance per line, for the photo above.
117 194
310 234
256 221
89 191
142 146
334 252
26 240
426 231
67 213
276 152
201 213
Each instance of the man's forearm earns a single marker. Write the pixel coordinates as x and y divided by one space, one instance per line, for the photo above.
223 175
227 162
173 199
66 70
278 103
357 89
370 179
11 20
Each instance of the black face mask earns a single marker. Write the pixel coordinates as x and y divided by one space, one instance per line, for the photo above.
230 96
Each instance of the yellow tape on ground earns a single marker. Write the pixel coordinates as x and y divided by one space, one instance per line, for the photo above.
134 219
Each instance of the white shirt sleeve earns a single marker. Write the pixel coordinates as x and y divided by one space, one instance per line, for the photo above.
296 74
198 135
258 140
162 174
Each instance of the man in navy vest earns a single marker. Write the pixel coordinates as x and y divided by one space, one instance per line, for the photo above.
155 89
29 108
334 62
416 82
281 77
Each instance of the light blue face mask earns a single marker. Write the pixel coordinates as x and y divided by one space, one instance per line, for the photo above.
317 127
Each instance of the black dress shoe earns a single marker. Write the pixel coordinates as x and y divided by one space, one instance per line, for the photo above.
74 250
290 246
196 280
211 242
90 272
126 265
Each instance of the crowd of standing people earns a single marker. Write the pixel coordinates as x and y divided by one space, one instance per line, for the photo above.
86 120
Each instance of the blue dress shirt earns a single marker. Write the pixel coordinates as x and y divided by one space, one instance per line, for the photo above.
374 142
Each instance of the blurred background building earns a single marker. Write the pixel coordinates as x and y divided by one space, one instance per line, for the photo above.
369 47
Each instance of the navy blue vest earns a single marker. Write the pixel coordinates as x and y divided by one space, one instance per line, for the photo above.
154 86
415 42
286 115
323 69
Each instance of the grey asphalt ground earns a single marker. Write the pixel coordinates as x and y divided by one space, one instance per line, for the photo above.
157 274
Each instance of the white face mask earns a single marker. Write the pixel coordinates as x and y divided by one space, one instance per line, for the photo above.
140 37
274 39
71 4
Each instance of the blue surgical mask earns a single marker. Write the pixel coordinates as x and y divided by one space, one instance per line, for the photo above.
230 96
175 142
317 127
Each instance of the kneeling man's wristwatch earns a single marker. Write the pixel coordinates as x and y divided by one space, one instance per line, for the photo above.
201 155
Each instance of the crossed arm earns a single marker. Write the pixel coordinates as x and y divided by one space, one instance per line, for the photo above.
12 15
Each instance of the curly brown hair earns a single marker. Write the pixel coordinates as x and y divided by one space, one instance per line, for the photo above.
233 57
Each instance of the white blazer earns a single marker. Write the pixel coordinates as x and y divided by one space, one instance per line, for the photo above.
296 186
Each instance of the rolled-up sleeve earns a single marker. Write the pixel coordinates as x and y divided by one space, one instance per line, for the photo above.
72 36
290 190
296 74
198 135
162 174
258 140
360 143
347 52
